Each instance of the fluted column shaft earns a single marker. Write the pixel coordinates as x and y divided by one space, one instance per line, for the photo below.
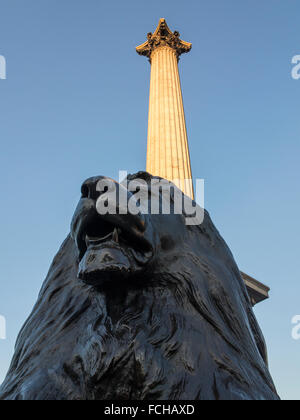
168 151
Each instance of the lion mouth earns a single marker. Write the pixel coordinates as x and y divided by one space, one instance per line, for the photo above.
95 241
110 250
96 231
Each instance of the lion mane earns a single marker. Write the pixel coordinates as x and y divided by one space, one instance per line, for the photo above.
184 329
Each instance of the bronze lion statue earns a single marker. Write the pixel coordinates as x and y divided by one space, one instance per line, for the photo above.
140 308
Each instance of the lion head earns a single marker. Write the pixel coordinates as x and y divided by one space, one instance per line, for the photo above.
121 246
140 306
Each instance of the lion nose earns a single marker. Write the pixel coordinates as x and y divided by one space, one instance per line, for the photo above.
89 188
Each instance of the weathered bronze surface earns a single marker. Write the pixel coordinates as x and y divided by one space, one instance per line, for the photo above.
140 307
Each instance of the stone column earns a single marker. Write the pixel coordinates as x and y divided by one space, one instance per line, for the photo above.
168 150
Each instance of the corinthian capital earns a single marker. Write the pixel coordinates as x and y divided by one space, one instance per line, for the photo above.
162 37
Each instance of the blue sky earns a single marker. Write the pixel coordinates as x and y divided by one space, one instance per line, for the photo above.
75 104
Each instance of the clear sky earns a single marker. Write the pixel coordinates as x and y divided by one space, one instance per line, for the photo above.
75 104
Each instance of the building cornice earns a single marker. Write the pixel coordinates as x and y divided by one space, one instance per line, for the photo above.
258 291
